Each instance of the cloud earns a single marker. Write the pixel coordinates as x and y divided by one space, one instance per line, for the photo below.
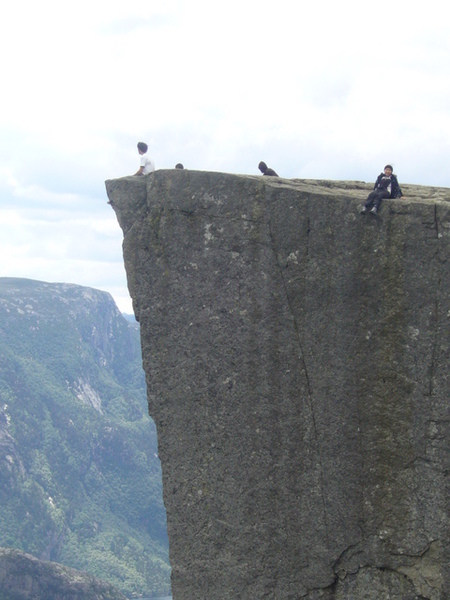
317 90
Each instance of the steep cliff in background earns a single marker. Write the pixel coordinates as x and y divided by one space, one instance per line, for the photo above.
297 363
80 481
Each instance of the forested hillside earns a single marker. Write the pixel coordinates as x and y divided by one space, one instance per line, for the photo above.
80 479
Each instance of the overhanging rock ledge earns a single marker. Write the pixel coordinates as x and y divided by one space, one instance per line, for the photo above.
297 364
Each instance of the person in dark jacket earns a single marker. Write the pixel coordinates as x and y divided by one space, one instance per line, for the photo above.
265 170
386 186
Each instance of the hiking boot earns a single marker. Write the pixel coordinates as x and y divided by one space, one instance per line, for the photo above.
374 210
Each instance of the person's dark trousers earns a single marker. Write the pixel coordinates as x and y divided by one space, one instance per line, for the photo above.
375 198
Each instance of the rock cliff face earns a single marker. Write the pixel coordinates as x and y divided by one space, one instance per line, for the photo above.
297 363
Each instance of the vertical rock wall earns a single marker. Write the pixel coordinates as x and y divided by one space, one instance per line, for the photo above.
297 363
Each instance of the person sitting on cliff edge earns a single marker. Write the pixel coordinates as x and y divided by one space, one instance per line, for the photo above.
265 170
146 163
386 186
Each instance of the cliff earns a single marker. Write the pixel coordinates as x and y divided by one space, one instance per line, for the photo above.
297 359
80 480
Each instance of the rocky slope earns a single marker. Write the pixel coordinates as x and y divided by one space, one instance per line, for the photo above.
297 359
23 577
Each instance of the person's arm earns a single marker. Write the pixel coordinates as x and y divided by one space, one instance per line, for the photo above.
140 171
397 192
377 182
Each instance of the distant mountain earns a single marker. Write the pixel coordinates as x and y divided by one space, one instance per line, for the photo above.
130 318
80 479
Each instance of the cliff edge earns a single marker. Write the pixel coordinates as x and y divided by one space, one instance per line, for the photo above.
297 364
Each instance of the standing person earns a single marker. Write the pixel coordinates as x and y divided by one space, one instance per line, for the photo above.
146 163
386 186
265 170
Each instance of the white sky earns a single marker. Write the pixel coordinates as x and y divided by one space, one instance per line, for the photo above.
323 89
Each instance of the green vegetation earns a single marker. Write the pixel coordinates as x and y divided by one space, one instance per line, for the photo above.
80 480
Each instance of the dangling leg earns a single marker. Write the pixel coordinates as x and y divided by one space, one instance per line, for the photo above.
378 200
369 202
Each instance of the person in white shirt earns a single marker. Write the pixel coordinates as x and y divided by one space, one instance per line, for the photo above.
146 163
